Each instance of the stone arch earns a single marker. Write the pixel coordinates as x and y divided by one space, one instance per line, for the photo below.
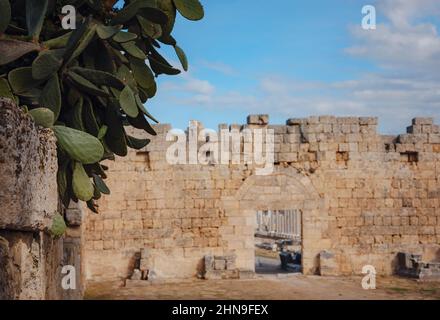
285 188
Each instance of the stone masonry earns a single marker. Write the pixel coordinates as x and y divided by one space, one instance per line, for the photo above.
364 197
31 260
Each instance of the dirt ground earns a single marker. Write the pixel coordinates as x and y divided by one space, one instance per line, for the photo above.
283 287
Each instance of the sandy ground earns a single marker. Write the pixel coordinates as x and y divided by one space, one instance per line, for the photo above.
291 287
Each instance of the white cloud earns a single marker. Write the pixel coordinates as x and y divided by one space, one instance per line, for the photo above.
403 44
219 67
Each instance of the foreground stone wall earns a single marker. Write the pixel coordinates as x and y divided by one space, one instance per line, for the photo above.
30 259
363 197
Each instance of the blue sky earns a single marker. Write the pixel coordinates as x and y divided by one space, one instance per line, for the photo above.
292 58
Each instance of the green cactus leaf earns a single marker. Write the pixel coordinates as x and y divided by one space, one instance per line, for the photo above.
168 39
21 80
5 17
129 11
81 184
136 143
99 78
43 117
133 50
80 146
128 102
59 42
182 57
100 184
115 136
62 181
102 132
89 118
58 226
73 95
143 109
51 96
46 64
124 36
190 9
126 75
167 6
75 37
35 15
151 91
96 193
76 121
106 32
150 29
154 15
11 50
92 206
126 13
140 122
5 90
159 67
84 41
85 85
142 73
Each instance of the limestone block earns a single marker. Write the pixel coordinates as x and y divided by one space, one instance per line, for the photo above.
137 275
293 129
231 264
328 265
74 217
422 121
413 138
434 138
259 119
246 274
219 264
209 263
28 168
327 119
368 121
278 129
295 122
213 275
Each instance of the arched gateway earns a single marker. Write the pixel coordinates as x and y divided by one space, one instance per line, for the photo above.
285 189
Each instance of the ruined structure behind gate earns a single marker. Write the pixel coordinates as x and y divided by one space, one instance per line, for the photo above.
363 196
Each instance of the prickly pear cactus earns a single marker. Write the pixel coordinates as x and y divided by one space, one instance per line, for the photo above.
87 83
58 226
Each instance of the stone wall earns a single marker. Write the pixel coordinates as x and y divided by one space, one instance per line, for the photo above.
30 258
363 196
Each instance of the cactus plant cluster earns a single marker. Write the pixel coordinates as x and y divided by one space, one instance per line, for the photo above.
90 82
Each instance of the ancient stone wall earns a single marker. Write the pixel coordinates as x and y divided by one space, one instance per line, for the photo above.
30 258
363 196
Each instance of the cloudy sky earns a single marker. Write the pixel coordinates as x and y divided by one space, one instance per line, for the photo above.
292 58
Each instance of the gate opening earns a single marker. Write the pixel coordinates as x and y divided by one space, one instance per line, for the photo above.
278 241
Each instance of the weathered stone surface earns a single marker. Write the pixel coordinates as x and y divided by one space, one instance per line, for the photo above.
137 275
30 267
259 119
422 121
328 265
219 264
31 261
28 164
411 265
73 217
246 274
